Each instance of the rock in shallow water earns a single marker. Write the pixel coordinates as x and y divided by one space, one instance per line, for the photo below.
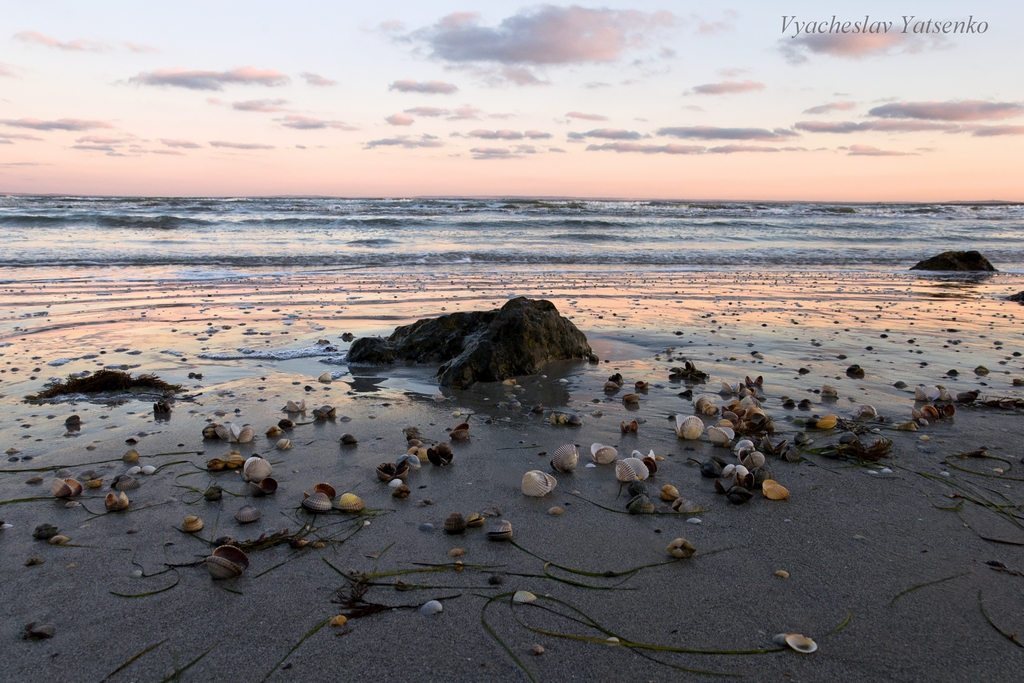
956 260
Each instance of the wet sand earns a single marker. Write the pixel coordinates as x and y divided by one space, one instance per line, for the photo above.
853 538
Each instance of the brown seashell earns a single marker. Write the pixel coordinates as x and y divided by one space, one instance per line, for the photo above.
325 489
455 523
125 483
130 456
116 502
94 483
631 398
264 487
652 465
235 460
500 531
669 493
348 440
401 492
680 548
640 385
65 488
247 514
773 490
459 434
318 502
274 432
827 422
386 471
930 412
948 410
440 455
629 427
475 520
216 464
191 524
210 431
461 425
565 458
256 469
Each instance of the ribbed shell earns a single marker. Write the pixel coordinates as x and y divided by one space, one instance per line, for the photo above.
65 488
455 523
669 493
681 548
247 513
640 505
630 469
126 483
325 488
500 530
221 568
773 490
537 483
192 524
753 460
720 436
689 427
603 455
116 502
318 502
264 487
256 469
350 502
565 458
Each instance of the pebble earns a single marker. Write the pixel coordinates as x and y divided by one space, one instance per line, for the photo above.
782 574
537 650
555 510
427 527
694 520
925 437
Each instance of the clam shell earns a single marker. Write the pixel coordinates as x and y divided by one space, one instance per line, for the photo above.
283 444
565 458
325 489
318 502
537 483
274 432
669 493
148 470
350 502
65 488
116 502
865 412
247 513
264 487
930 412
191 524
126 483
690 427
501 530
603 455
705 404
681 548
640 505
431 607
753 460
630 469
631 398
210 431
441 454
232 553
721 436
926 393
828 391
402 491
235 460
94 483
455 523
801 643
216 464
221 568
684 506
827 422
293 407
131 456
630 427
651 464
475 520
523 597
948 410
132 471
256 469
773 490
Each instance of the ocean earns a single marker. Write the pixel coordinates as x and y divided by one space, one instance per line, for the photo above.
314 233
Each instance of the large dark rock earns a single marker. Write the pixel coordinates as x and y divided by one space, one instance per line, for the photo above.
481 346
956 260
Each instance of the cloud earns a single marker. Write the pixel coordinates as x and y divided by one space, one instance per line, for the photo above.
639 148
266 106
406 142
955 110
79 45
557 149
210 80
607 134
59 124
728 87
170 152
545 35
429 112
830 107
883 126
425 87
8 70
524 149
239 145
492 153
182 144
101 140
521 76
849 45
466 113
868 151
585 117
400 120
18 136
716 133
537 135
317 79
988 131
136 47
732 149
308 123
95 148
597 84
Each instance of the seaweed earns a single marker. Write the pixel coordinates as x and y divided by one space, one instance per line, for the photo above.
104 381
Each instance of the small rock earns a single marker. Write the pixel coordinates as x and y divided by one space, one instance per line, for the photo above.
537 650
37 631
782 574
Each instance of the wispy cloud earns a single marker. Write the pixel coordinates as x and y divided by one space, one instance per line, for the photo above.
406 142
585 117
607 134
168 152
317 79
849 45
181 144
59 124
400 120
136 47
728 87
101 140
429 112
78 45
716 133
638 148
309 123
733 149
989 131
466 113
210 80
266 106
8 70
507 134
954 110
492 153
239 145
18 136
95 148
829 107
885 126
597 84
520 75
868 151
425 87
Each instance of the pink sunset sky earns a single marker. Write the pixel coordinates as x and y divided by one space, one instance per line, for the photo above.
638 99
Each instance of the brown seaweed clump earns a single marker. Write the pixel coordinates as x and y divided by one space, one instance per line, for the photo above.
104 381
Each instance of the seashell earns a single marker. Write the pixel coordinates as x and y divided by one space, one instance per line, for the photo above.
132 471
213 493
350 502
131 456
94 483
690 427
65 488
755 415
325 489
59 540
116 502
907 427
743 446
686 507
148 470
191 524
650 463
926 393
630 427
411 460
256 469
624 471
738 495
125 483
773 490
264 487
631 398
293 407
930 412
431 607
828 391
753 460
455 523
285 423
537 483
348 440
948 411
865 412
681 548
324 378
523 597
640 505
565 458
216 464
401 491
227 562
247 513
669 493
460 432
641 385
283 445
827 422
274 432
235 460
800 643
210 431
944 394
602 454
318 502
729 388
441 454
501 530
338 620
721 436
711 468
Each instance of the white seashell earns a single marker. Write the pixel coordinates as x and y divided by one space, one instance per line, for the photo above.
944 394
730 388
256 469
728 471
523 597
631 469
865 412
926 393
537 483
603 455
705 404
690 427
395 483
753 460
148 469
744 445
432 607
740 471
828 391
293 407
132 471
565 458
283 444
720 436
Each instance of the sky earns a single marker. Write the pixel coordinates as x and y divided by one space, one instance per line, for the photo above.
680 100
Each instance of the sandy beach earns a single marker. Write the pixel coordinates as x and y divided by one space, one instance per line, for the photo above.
906 569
